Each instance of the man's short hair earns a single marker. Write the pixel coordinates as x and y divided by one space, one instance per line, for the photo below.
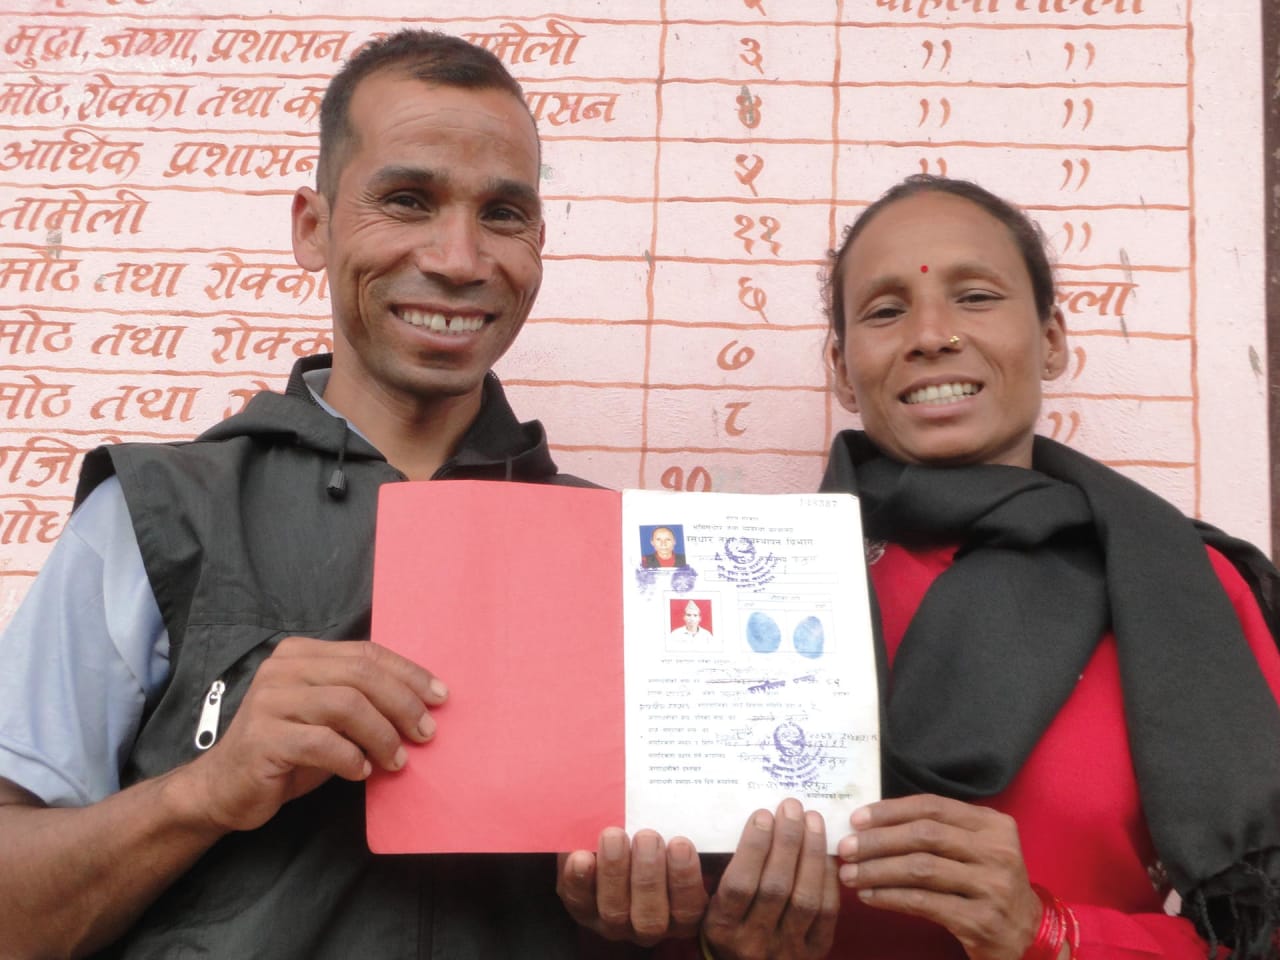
426 55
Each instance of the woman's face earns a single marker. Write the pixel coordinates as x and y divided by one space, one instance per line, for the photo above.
927 269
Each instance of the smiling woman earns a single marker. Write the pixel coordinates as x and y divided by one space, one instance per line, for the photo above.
944 364
1082 689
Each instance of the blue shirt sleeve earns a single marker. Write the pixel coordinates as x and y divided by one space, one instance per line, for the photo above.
82 656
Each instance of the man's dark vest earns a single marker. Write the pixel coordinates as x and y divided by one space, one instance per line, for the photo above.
244 545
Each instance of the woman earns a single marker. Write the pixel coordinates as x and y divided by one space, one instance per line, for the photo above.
1079 686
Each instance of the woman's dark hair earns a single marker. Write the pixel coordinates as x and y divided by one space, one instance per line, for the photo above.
1027 236
429 56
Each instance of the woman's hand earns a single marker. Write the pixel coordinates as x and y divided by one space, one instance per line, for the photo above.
778 897
956 864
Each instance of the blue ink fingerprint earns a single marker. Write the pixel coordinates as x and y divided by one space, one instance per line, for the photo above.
684 579
763 633
808 638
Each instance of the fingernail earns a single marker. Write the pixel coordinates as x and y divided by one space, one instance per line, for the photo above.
614 843
813 821
427 727
762 819
680 852
791 809
848 873
438 688
581 865
367 769
860 817
866 894
647 846
848 847
400 759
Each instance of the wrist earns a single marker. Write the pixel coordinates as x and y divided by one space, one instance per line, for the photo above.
186 804
1058 934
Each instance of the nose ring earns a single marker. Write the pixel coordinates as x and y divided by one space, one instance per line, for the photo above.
954 341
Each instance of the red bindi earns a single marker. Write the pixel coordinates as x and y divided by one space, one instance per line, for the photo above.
924 269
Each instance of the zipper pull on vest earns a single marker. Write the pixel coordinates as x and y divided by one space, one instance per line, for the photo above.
207 728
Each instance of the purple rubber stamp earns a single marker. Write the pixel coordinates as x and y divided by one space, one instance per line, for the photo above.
794 761
681 579
738 561
684 579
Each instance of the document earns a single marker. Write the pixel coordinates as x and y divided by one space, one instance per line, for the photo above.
645 659
750 673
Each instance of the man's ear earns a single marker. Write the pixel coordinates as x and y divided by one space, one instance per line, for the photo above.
1055 345
840 378
310 214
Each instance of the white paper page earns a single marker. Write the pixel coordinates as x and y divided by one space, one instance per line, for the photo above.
750 666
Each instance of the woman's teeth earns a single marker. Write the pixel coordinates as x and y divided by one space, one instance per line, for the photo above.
942 393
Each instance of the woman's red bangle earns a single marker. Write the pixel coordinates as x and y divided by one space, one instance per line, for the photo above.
1058 926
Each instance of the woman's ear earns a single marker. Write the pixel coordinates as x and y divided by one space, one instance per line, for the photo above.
840 375
1055 345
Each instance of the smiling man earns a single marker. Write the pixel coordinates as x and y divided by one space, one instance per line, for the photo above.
429 224
189 703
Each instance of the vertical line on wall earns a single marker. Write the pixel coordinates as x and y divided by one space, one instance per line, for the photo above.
1192 285
653 239
833 217
1270 14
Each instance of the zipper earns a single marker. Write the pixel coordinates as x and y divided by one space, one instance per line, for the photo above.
207 728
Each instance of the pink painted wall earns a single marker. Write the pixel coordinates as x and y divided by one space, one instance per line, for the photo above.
700 156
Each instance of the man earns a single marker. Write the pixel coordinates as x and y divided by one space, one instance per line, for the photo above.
691 636
664 553
182 744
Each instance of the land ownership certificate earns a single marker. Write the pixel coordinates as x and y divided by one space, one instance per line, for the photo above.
645 659
749 669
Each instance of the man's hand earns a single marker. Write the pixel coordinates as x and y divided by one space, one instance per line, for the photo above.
956 864
643 891
77 877
778 897
315 709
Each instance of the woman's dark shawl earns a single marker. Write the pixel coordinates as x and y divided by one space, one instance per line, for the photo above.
1049 558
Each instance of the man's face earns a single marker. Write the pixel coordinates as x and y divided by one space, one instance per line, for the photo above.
692 617
664 543
432 240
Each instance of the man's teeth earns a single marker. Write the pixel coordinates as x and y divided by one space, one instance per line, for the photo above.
942 393
442 323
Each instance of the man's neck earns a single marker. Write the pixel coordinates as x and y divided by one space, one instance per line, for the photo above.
416 436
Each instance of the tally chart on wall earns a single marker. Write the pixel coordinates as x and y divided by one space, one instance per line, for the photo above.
700 157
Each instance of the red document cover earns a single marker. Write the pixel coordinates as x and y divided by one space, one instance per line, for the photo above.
512 594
